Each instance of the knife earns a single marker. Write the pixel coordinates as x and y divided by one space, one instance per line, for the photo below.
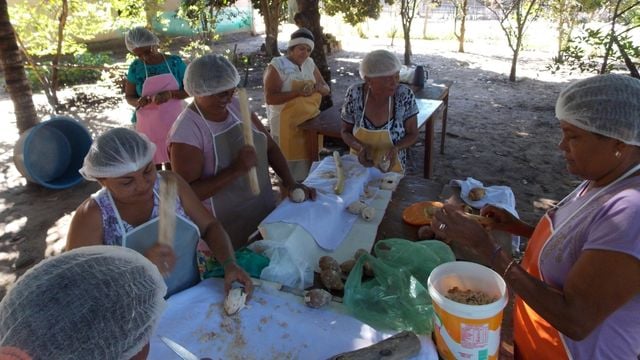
180 350
287 289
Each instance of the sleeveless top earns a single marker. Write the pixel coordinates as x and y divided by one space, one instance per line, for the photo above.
110 229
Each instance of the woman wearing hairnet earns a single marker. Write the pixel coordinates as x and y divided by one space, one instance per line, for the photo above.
578 286
125 212
98 302
379 116
154 88
207 149
293 89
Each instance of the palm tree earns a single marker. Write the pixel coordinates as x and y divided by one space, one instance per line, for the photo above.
15 77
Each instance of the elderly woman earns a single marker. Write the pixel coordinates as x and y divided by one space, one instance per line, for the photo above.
207 149
98 302
293 89
379 116
578 287
154 87
125 212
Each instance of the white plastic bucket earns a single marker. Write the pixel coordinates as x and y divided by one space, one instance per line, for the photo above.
467 331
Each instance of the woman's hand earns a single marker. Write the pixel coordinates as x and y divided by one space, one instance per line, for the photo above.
232 273
309 192
502 219
143 101
246 159
162 256
162 97
466 236
365 156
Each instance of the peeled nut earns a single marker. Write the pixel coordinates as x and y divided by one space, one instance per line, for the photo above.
476 194
356 207
331 279
235 301
297 195
385 164
368 213
317 298
328 263
388 183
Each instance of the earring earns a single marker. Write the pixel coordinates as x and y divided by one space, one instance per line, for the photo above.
618 154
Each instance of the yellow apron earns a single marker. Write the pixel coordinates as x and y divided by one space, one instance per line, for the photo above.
292 140
379 141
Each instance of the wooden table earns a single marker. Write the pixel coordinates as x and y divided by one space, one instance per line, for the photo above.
328 123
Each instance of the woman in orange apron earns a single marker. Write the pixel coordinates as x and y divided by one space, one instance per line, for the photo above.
578 286
154 88
379 116
293 89
207 149
125 212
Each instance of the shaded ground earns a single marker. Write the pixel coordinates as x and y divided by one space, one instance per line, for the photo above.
499 132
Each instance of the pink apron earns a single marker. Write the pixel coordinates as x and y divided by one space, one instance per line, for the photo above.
155 120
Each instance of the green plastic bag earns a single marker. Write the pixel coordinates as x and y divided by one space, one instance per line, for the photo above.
250 261
419 258
396 298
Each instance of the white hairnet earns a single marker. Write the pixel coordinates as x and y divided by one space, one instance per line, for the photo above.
608 105
140 37
210 74
379 63
95 302
117 152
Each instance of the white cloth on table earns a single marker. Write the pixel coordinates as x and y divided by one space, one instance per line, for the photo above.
325 218
275 325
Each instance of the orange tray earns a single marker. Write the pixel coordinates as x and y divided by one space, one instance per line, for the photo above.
419 214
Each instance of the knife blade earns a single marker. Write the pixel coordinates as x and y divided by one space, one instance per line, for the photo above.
180 350
288 289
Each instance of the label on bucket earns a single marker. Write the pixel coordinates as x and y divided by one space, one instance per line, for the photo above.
459 338
474 336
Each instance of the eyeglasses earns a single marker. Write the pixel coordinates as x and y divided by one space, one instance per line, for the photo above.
226 93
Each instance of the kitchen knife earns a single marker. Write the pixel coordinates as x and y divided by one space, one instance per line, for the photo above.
287 289
180 350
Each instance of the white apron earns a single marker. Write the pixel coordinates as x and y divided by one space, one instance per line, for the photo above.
235 206
185 273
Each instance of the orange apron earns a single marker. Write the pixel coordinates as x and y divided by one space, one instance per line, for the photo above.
534 337
291 139
379 141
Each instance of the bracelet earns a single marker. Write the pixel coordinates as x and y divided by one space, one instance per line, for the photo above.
494 254
506 270
229 260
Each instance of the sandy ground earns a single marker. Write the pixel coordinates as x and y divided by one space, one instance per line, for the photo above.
499 132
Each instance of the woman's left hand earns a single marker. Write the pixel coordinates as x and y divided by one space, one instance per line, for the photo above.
162 97
309 192
466 236
233 272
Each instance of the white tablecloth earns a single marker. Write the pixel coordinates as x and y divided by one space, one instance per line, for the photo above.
277 325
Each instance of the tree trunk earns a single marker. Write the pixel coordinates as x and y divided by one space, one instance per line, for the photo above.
310 17
426 17
514 64
14 74
271 14
407 47
463 19
62 21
